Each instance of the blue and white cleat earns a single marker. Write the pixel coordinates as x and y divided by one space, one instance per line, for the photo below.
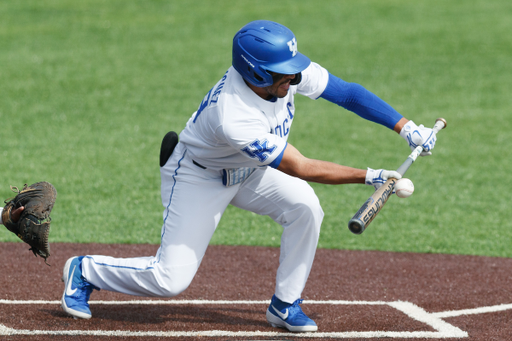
76 290
289 316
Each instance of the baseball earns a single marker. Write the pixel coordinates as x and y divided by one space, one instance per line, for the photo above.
404 188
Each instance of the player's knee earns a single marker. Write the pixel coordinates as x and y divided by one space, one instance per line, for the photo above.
174 281
316 216
313 208
175 287
309 215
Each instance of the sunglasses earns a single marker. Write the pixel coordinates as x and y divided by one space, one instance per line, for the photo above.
276 77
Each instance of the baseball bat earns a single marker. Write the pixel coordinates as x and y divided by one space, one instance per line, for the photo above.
374 204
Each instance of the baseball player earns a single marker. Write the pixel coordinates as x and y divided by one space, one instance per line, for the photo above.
234 150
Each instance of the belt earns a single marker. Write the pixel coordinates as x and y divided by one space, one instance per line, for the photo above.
198 164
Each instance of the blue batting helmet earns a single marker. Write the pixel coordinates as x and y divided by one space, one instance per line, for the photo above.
264 46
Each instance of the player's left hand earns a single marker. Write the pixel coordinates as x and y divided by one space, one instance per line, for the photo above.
16 214
377 177
419 136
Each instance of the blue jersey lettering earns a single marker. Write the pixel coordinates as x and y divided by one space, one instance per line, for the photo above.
288 106
203 105
259 150
211 98
278 131
285 127
216 93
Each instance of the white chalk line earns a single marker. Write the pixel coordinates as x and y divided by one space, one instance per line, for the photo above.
192 302
434 320
474 311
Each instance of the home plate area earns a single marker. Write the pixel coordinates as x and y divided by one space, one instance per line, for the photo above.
352 295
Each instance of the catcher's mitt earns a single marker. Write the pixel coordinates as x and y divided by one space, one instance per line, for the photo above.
33 226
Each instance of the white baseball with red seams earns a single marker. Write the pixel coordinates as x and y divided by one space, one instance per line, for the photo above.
404 188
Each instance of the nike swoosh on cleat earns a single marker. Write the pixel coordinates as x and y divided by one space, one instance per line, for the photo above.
281 315
70 292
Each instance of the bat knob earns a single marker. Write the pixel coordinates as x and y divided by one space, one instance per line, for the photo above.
356 226
440 119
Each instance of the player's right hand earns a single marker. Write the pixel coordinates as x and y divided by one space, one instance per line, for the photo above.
419 136
377 177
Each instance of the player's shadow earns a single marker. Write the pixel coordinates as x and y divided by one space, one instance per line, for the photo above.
169 317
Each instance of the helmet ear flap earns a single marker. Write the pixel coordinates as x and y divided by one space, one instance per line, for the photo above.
297 79
257 77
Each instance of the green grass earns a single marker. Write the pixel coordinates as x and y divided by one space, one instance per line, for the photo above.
89 88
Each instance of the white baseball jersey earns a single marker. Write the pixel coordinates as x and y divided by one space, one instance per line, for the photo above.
234 127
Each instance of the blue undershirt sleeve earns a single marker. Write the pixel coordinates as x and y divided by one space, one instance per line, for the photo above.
356 98
278 159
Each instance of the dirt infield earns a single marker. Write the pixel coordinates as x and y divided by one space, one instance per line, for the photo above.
352 295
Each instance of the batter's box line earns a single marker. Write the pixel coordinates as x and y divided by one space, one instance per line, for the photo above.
443 329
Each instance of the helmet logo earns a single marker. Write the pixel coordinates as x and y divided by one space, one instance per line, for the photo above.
292 45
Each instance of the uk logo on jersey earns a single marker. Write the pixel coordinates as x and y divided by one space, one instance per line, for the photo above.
292 45
259 150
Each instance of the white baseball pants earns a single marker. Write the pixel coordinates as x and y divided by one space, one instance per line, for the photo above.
194 201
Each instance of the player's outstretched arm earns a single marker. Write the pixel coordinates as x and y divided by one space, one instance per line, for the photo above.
295 164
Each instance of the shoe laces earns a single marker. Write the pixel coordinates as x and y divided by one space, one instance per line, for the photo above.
86 288
88 291
295 308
